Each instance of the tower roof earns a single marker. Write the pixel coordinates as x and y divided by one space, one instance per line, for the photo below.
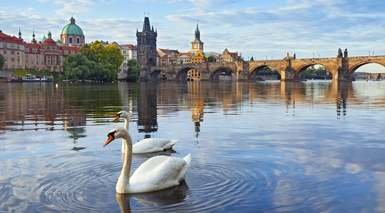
197 33
146 24
72 29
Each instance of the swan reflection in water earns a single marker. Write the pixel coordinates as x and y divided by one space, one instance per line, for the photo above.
166 197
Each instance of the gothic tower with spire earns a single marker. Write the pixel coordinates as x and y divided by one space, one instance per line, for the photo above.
197 44
146 47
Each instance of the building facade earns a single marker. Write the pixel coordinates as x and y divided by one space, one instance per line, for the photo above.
146 47
12 48
228 56
167 57
129 52
197 50
47 55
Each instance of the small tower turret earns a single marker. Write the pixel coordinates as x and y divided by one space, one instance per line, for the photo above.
20 34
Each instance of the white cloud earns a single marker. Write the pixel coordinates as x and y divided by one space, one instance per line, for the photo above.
307 27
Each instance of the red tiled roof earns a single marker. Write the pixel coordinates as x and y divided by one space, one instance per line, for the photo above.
129 46
49 41
10 39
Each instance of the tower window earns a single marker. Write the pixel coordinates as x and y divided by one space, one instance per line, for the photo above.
78 40
70 40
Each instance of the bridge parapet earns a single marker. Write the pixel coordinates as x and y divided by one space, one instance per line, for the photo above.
340 67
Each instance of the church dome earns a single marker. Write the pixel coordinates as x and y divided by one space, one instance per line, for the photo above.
72 29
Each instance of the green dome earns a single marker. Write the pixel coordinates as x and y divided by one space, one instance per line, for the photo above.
72 29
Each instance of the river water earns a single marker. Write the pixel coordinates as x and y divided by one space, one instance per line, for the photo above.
256 147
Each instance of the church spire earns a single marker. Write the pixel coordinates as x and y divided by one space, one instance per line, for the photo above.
197 33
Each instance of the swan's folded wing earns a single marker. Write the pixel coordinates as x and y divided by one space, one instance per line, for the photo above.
152 145
157 173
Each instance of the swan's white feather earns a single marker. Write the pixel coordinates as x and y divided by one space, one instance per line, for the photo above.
157 173
149 145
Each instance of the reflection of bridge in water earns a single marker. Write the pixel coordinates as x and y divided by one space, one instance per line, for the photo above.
42 106
341 67
198 97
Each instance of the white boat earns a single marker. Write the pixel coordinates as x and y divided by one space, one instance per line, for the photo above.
32 78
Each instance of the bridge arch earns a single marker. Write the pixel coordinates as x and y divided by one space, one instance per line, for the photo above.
157 75
300 71
358 65
264 72
190 73
223 73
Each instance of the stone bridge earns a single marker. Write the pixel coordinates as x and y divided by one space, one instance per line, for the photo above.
341 67
205 71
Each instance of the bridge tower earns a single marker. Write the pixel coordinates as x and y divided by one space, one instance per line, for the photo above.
146 45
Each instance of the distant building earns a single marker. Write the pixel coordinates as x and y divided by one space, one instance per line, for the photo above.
146 45
197 49
167 56
47 55
184 58
129 52
44 55
228 56
12 48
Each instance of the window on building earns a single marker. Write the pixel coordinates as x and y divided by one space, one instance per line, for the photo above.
70 40
78 40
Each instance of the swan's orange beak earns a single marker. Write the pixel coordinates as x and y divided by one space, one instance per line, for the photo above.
116 118
109 140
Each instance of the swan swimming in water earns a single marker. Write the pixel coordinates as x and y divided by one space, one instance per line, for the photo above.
147 145
156 173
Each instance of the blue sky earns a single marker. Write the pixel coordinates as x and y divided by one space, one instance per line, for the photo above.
259 28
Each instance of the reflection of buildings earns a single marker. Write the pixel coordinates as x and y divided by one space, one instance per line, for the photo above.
196 101
147 108
74 124
28 105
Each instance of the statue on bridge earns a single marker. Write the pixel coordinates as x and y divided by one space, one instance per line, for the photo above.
346 53
339 53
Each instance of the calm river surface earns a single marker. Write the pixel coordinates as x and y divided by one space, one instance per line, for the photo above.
256 147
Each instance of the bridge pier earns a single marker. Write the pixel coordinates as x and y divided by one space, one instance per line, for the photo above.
288 74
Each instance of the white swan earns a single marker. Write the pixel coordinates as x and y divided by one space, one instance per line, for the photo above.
156 173
147 145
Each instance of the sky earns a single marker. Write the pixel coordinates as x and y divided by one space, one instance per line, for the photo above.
259 28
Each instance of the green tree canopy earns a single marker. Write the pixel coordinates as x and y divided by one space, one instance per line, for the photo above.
133 70
96 61
2 61
211 58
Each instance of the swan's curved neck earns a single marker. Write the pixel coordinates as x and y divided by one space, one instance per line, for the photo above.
126 123
124 177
